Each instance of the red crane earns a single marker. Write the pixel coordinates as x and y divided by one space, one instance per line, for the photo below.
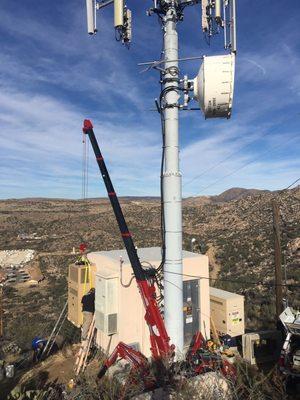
145 279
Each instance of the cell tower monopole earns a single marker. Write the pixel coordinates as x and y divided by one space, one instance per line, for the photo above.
212 89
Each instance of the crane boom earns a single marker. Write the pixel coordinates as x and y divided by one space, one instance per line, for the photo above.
126 235
159 339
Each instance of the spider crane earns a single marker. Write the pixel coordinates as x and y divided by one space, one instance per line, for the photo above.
145 278
161 348
212 89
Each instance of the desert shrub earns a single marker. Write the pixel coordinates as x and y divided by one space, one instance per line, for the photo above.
255 385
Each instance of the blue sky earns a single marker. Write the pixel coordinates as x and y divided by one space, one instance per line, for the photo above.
53 75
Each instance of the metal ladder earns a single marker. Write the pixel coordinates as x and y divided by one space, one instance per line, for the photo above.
81 359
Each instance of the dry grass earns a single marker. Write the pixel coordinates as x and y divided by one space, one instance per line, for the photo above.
250 385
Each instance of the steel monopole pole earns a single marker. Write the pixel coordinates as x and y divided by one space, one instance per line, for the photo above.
173 296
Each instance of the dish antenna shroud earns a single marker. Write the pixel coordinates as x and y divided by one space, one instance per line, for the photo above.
213 86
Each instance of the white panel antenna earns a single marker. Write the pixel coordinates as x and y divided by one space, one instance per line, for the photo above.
128 25
205 7
91 16
232 24
218 12
118 13
122 18
213 86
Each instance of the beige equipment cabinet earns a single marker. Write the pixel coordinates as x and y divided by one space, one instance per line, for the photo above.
227 312
119 312
78 286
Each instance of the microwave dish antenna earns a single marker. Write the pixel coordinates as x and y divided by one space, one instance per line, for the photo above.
213 86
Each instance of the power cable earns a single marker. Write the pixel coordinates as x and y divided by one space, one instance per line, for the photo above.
243 166
265 284
285 227
224 159
291 286
162 217
235 281
252 205
290 194
292 184
162 166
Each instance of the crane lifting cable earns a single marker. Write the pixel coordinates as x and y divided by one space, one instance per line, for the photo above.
85 168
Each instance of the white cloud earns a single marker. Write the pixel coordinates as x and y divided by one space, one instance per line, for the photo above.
45 97
42 139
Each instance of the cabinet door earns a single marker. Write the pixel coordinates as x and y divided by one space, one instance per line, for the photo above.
190 309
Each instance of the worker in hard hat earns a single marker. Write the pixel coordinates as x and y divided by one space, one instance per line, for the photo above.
38 344
88 309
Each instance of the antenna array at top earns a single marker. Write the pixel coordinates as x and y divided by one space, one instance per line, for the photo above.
217 14
122 18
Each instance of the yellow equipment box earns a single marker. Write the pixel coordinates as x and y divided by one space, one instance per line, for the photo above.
81 279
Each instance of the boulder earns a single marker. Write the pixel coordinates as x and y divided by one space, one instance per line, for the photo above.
208 386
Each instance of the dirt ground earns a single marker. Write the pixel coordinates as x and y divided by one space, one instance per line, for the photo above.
58 368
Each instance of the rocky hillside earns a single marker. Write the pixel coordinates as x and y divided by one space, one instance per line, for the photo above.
235 194
241 232
237 236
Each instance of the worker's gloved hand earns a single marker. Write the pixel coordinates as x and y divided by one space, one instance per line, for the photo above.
102 372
